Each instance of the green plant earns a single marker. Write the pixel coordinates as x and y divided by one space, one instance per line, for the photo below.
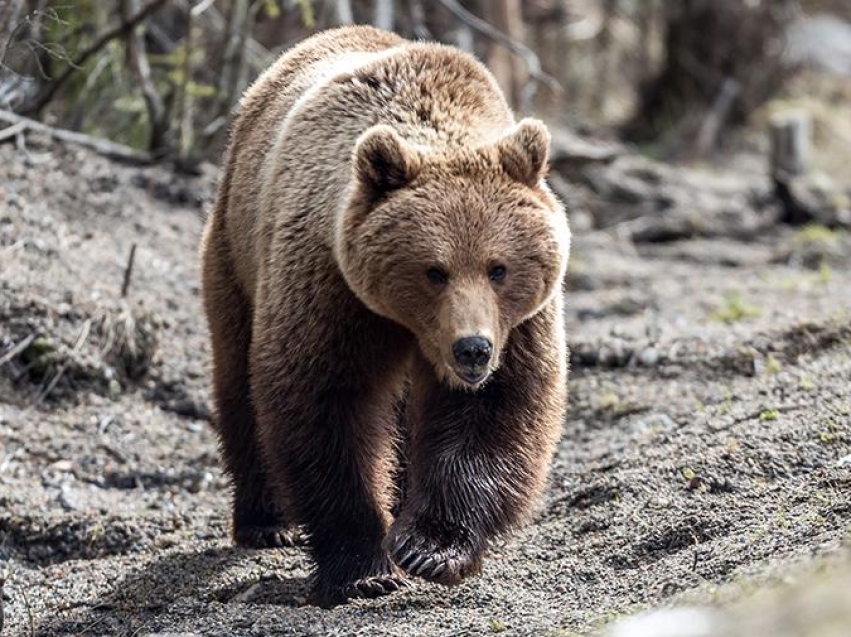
735 309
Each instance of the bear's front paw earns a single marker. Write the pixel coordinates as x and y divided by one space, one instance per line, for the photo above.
369 587
445 561
339 581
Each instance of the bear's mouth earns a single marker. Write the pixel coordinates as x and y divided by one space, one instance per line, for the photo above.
472 375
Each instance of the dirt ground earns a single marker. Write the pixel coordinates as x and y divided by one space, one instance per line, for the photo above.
708 444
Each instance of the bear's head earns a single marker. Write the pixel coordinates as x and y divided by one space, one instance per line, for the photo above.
458 247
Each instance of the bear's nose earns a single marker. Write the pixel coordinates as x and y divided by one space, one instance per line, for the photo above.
472 351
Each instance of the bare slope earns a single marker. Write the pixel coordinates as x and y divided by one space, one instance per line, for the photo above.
708 440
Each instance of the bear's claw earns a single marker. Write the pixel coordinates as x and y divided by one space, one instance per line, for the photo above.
375 586
370 587
267 537
422 558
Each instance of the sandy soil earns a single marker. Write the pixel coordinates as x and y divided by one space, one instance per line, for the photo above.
708 442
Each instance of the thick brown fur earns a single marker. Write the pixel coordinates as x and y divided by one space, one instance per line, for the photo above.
373 189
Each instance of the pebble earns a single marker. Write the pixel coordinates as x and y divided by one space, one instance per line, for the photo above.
67 499
614 354
649 357
652 423
670 622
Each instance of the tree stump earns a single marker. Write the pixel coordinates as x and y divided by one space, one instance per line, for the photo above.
790 144
789 155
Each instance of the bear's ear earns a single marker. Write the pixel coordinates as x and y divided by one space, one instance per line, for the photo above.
384 161
523 152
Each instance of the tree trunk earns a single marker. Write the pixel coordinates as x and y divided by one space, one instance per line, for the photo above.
384 15
706 44
509 71
605 57
343 13
138 62
10 11
232 58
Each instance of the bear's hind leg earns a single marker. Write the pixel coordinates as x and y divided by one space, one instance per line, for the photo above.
255 521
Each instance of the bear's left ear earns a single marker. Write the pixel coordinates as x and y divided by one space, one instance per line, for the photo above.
384 161
523 152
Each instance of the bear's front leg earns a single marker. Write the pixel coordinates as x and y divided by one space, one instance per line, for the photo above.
326 424
478 460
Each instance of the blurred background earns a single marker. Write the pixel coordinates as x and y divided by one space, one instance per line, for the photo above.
679 78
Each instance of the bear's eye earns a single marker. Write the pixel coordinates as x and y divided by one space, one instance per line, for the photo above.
436 276
497 273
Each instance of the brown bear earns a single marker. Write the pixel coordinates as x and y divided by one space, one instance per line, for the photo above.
383 237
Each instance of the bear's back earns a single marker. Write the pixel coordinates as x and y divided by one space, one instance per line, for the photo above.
262 110
291 144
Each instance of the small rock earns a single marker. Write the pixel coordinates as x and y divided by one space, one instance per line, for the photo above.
529 551
584 355
652 423
845 461
188 408
67 499
61 465
649 357
670 622
694 483
200 482
615 354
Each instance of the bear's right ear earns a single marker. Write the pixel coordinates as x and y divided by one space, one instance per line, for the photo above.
384 161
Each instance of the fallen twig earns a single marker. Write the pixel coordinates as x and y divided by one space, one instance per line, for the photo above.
781 409
12 131
81 339
103 147
128 271
28 606
17 349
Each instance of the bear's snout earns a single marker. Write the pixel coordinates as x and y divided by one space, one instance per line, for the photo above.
472 355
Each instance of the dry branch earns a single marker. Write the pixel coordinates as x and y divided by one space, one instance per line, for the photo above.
17 349
103 147
128 271
12 131
78 346
105 38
